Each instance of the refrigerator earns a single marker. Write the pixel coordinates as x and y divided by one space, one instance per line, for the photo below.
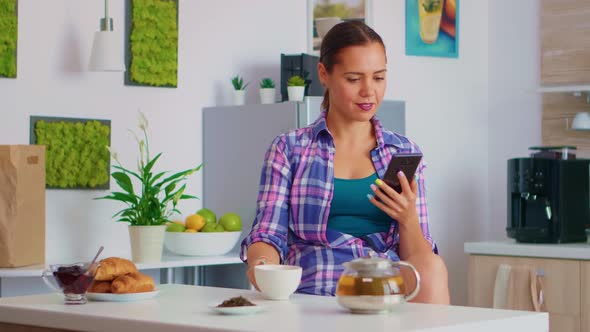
235 140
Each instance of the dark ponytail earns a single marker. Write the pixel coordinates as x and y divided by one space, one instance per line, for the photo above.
342 35
326 100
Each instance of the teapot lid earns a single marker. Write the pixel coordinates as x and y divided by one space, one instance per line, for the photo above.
367 264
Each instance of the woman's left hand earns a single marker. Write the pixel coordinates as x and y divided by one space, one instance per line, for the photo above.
399 206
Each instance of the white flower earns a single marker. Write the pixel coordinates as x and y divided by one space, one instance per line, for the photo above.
143 122
113 153
143 152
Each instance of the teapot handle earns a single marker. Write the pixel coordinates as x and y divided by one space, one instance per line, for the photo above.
417 275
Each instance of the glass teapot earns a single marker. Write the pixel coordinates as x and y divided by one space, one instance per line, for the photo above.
374 285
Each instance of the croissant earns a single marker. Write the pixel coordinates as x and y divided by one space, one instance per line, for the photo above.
113 267
100 287
133 283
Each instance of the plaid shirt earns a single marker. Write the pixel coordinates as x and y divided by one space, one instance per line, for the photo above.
296 189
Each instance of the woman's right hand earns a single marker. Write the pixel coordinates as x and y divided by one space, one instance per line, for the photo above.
250 272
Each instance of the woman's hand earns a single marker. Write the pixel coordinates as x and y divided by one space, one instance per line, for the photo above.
399 206
250 272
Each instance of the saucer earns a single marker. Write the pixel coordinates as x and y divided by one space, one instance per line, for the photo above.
245 310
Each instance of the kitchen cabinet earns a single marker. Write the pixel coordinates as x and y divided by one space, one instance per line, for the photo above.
566 278
586 296
565 41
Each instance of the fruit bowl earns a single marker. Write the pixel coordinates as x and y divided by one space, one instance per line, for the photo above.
201 244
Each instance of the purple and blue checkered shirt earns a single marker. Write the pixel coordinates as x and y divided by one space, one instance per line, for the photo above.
296 189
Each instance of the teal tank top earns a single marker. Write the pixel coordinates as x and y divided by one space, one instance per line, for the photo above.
351 211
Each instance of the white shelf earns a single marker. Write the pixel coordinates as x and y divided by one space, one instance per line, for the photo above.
565 88
168 261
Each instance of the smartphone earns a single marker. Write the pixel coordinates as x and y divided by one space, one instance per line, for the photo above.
407 163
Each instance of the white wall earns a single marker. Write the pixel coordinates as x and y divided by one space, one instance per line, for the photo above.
446 114
217 39
515 109
447 104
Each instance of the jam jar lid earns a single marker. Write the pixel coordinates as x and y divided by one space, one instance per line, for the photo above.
368 264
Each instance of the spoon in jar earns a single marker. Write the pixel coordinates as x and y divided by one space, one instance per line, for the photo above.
92 265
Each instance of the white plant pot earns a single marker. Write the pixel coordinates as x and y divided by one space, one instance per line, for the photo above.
267 96
239 97
147 243
295 93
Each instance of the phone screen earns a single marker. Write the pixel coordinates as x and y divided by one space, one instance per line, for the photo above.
407 163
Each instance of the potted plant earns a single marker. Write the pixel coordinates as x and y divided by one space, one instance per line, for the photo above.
296 88
267 91
239 90
150 205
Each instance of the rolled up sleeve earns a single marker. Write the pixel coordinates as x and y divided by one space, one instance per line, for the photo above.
271 223
421 207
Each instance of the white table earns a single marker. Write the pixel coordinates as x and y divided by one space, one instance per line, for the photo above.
190 264
187 308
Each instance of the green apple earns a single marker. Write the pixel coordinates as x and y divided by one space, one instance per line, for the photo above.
219 228
231 222
209 215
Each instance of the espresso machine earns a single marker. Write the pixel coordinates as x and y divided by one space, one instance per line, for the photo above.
548 196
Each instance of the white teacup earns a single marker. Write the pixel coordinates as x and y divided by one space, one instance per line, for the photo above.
277 282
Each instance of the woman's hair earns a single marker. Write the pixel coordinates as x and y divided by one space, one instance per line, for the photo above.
343 35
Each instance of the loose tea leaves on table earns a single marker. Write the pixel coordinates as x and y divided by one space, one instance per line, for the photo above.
236 302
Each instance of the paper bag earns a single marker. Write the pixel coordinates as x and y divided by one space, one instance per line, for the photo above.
22 205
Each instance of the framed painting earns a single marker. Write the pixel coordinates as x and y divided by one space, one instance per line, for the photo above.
432 28
324 14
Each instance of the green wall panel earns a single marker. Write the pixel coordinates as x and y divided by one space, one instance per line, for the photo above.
8 37
76 153
151 42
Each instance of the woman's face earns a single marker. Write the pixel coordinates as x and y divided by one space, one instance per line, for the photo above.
357 82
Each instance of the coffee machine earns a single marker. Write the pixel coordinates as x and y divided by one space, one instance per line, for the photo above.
548 196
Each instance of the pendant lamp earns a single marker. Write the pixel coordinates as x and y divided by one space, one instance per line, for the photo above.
107 49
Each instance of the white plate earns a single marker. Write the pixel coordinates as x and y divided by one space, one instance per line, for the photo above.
245 310
109 297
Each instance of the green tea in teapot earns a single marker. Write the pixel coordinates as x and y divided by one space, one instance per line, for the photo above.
354 285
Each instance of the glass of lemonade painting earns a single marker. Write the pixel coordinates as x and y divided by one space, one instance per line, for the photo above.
432 28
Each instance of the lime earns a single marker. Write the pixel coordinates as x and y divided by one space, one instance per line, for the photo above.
209 215
210 227
231 222
174 227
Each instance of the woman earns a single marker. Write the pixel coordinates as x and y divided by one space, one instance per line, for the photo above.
321 202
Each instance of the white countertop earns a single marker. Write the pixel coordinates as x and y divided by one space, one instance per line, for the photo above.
512 248
187 308
168 261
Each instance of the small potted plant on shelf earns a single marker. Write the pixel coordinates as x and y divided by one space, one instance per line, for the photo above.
296 88
267 91
239 92
150 205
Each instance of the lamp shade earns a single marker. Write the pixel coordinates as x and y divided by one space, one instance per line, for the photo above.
581 121
107 52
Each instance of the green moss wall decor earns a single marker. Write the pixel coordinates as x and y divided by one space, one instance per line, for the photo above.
8 37
76 154
151 42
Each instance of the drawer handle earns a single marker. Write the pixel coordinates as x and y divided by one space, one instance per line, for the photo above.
537 289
